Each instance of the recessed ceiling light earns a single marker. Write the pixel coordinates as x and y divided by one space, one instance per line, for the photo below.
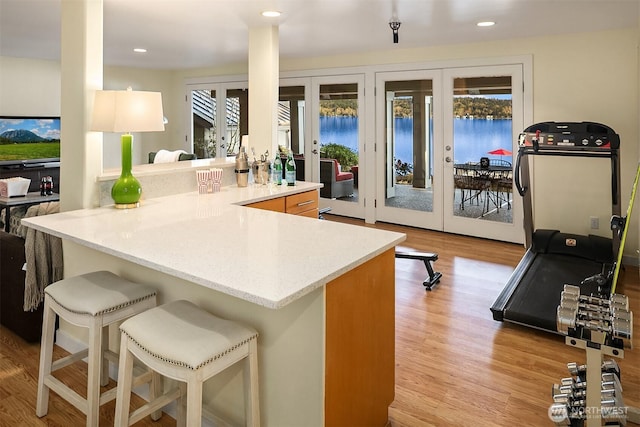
140 50
271 13
486 24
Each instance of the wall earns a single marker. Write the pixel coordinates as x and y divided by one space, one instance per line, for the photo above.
29 87
32 87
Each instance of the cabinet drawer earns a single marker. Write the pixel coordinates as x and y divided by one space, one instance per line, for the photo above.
302 202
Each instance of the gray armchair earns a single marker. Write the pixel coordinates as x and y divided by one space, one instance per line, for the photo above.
336 184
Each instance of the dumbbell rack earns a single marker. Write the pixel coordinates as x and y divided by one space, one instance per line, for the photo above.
601 327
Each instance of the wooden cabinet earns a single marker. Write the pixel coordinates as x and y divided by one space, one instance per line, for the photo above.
303 204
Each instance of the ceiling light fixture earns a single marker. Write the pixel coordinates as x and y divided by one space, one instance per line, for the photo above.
140 50
486 24
395 25
271 13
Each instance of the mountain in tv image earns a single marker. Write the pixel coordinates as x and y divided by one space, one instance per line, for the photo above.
22 135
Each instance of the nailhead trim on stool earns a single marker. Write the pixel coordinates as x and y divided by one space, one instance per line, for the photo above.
181 341
94 301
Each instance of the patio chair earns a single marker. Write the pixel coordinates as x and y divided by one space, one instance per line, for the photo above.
470 187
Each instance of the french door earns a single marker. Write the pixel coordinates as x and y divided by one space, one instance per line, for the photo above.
218 118
408 179
337 142
448 138
483 115
322 122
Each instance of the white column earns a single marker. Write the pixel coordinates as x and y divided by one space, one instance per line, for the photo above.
263 88
81 75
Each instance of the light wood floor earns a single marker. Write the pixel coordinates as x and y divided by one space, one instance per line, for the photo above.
455 365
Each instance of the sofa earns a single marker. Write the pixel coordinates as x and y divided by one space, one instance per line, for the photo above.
26 324
337 184
181 157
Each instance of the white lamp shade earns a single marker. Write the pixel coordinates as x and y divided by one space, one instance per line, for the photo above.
127 111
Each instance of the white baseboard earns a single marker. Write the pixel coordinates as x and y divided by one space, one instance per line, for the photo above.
72 345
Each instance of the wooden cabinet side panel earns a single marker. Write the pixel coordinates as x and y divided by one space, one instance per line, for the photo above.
276 205
360 344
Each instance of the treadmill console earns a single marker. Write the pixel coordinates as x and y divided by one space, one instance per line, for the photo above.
561 135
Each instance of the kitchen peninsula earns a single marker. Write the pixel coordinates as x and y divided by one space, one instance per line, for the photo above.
321 294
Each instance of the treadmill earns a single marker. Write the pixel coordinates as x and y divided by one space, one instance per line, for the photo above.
532 293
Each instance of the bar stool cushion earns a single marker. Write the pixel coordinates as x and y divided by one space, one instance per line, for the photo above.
182 334
97 293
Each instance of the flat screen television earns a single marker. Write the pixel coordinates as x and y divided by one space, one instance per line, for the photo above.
29 141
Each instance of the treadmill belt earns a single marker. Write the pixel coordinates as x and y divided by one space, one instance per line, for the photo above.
536 299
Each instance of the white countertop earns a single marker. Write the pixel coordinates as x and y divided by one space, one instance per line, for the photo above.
267 258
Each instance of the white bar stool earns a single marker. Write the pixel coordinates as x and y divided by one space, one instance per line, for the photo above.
94 301
181 341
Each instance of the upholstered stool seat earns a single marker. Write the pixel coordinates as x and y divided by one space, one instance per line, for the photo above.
94 301
181 341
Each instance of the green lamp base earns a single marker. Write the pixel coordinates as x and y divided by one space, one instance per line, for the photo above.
126 190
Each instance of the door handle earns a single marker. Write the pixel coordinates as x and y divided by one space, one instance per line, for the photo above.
447 159
314 151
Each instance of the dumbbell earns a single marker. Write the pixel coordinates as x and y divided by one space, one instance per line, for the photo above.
559 414
608 366
614 300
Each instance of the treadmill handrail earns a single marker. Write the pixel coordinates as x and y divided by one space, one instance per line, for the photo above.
568 152
516 173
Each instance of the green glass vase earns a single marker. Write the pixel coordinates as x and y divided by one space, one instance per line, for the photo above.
127 190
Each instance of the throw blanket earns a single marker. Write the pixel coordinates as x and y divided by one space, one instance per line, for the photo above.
43 253
166 156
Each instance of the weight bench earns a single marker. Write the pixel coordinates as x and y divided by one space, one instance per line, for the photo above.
427 258
323 211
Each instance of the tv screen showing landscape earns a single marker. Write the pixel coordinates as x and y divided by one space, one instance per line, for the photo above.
29 139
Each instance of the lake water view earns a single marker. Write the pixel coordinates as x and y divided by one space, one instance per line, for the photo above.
474 138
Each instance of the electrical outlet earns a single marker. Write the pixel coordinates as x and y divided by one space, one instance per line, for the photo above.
595 222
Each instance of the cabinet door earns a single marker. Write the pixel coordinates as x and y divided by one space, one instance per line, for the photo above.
302 202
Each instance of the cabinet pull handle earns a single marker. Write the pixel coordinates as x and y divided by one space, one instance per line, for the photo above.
308 202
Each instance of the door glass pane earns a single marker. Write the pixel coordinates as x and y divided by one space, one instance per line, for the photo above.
409 145
291 106
482 148
339 141
203 109
237 121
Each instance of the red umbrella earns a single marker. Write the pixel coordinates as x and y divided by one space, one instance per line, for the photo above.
500 152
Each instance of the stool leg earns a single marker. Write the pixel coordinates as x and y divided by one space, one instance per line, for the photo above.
194 402
104 372
94 371
125 377
181 410
46 357
251 387
155 391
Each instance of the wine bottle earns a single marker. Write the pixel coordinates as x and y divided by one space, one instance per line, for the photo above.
290 170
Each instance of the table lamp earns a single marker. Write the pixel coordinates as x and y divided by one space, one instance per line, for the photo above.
127 111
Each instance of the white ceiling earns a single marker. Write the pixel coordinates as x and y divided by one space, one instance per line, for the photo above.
205 33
